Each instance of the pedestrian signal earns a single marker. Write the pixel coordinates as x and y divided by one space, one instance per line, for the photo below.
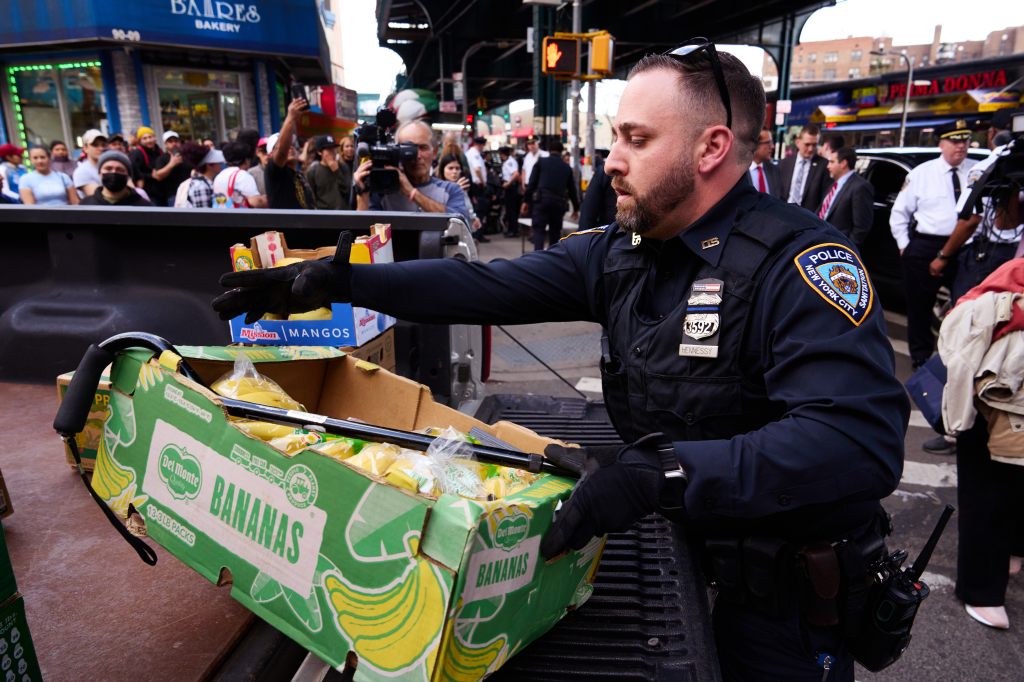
561 56
602 53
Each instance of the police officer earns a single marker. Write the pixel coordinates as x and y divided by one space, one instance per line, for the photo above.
986 234
922 219
744 345
550 189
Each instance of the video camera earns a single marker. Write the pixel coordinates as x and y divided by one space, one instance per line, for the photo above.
1004 179
376 142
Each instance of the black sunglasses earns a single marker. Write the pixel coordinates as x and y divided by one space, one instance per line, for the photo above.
694 48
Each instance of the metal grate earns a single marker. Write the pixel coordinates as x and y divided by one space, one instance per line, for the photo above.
647 618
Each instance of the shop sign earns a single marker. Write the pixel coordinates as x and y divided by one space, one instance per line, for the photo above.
865 97
980 80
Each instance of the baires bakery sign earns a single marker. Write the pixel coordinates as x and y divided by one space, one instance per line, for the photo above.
215 15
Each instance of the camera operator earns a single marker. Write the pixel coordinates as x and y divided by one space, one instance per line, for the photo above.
419 191
989 234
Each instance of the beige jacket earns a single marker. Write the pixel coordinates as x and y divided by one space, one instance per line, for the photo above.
966 348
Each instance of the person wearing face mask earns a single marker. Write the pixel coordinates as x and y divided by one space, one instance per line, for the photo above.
115 171
60 161
44 185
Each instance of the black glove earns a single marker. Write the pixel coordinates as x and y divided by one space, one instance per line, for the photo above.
294 288
617 488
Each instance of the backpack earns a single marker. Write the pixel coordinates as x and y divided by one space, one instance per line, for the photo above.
181 196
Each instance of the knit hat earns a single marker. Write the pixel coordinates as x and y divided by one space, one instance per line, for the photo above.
114 155
144 130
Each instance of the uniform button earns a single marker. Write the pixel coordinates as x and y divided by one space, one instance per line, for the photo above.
637 350
689 418
784 500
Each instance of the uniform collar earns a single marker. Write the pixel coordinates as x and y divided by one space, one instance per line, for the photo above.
707 236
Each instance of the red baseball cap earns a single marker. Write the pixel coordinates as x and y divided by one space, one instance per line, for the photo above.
10 150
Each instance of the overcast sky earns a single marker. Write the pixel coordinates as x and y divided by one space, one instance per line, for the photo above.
371 68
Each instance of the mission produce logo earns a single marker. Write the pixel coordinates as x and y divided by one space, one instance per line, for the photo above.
273 527
214 15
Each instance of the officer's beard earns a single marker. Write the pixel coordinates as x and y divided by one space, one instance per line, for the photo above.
647 210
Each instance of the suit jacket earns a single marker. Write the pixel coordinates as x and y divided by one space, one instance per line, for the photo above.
773 176
816 185
852 210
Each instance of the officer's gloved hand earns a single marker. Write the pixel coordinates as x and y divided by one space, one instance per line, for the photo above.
618 487
294 288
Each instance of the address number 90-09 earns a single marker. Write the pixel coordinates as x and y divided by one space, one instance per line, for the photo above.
119 34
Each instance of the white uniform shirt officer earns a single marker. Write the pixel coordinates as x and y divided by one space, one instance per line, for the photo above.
1000 236
927 196
509 168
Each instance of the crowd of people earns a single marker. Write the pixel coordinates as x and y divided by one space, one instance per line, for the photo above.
282 171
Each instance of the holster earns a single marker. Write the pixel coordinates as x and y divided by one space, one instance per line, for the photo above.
819 588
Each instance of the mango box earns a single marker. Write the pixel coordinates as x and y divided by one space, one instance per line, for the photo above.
380 351
347 325
17 654
414 587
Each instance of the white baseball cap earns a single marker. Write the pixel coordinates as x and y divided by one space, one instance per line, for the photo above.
213 156
272 142
169 134
91 135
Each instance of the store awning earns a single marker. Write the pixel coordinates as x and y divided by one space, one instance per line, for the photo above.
830 113
994 99
522 132
804 108
892 125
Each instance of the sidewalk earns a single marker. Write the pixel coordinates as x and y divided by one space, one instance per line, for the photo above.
571 348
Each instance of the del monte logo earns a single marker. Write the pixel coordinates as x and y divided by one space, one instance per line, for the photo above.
511 531
180 472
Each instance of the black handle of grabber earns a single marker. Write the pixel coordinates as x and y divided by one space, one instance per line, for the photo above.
74 411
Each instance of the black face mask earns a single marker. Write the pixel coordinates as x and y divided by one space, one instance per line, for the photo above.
115 182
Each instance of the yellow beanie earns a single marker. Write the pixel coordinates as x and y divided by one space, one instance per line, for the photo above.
144 131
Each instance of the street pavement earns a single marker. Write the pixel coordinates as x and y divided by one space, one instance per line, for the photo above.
947 645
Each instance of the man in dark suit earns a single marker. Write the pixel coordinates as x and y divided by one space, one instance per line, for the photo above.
849 203
550 188
764 174
805 174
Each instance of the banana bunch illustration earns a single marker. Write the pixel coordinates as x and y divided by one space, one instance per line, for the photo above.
395 628
113 482
464 662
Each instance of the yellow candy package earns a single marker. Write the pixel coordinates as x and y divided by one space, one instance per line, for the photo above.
243 382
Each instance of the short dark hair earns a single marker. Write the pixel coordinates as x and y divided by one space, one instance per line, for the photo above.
194 153
746 93
55 143
810 129
555 147
835 141
236 153
848 155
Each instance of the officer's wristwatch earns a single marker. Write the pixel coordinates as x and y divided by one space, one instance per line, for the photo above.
942 256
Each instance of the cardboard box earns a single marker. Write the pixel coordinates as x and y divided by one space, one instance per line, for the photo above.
8 585
380 351
18 659
416 587
348 325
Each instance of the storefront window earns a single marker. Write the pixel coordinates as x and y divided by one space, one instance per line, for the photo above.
200 105
57 101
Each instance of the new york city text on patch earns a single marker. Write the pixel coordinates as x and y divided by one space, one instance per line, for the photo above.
836 273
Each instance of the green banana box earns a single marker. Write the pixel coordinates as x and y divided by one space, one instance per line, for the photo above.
407 586
380 351
18 659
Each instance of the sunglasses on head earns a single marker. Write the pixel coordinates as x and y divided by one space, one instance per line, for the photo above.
694 49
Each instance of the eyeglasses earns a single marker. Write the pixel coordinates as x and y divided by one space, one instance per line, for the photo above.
692 49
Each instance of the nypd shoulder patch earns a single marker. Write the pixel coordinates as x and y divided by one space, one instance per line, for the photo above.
836 273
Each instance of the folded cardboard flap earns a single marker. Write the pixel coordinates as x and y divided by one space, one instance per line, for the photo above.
271 247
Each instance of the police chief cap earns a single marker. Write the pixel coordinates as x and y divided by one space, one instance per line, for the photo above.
956 132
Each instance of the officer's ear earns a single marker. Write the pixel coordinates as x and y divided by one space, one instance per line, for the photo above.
714 147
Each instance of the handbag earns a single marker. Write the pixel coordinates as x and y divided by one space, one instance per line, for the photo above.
925 389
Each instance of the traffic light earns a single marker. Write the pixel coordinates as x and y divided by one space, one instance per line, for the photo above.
561 56
602 53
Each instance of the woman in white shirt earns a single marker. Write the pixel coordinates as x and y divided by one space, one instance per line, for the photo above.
45 186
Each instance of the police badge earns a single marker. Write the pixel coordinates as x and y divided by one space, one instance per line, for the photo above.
702 319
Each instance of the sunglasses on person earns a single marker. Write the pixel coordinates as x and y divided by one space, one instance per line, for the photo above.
696 48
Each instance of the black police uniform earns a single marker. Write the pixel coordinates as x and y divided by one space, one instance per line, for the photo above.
755 342
551 186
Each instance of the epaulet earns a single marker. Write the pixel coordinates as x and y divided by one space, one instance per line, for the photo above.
593 230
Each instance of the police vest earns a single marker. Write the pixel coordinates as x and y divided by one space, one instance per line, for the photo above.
649 386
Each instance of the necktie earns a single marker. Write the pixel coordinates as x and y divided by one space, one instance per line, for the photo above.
797 195
761 185
828 200
956 184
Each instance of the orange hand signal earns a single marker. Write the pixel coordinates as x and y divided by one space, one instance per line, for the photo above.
553 55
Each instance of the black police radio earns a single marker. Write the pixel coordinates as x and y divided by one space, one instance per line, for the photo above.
892 604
